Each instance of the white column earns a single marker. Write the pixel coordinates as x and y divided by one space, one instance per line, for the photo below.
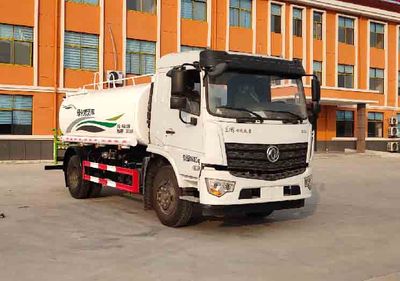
62 34
124 15
179 29
36 44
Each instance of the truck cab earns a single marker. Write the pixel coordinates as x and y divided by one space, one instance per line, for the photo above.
235 129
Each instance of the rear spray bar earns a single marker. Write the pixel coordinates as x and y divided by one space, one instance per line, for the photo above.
134 173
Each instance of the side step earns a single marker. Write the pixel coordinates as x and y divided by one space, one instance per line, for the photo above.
134 173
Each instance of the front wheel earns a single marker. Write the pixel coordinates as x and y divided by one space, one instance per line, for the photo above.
170 210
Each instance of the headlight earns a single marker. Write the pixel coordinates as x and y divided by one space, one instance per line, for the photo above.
219 187
308 182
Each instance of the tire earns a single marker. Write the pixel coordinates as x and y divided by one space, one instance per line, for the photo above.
262 214
94 190
151 172
78 188
170 210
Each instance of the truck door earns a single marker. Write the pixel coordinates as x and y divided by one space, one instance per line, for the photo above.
184 142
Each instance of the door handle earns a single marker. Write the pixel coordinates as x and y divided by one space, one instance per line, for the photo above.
170 132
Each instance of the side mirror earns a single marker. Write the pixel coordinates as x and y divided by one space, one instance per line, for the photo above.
316 90
178 102
316 96
183 80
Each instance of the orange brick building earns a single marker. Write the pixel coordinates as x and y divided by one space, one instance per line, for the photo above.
48 47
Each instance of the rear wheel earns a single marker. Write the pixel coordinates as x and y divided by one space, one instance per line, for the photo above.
78 188
170 210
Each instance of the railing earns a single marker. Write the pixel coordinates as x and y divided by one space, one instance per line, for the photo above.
110 83
114 83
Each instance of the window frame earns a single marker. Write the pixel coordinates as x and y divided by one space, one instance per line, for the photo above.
83 2
141 7
192 2
320 72
141 67
80 47
346 29
373 35
318 25
12 45
375 121
345 122
14 109
346 75
241 10
398 83
273 16
191 48
373 80
297 28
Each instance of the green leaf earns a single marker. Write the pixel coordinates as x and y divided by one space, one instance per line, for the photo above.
115 118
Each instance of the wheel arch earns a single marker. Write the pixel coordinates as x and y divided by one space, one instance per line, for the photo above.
157 159
162 155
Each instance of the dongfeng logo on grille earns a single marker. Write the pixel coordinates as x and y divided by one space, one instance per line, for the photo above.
272 154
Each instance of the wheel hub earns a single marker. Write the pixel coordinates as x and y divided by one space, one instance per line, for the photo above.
165 196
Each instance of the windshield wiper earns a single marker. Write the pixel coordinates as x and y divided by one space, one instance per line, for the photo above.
297 116
243 119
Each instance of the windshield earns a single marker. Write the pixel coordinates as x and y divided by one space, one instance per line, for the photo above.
255 96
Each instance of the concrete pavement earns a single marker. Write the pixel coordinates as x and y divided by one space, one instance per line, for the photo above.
349 230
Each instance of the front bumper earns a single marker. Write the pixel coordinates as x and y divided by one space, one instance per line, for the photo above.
222 210
269 191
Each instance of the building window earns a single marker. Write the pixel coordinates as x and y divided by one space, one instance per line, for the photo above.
376 79
90 2
398 84
375 125
345 76
81 51
317 22
377 35
317 68
240 13
191 48
15 115
346 30
16 44
276 18
146 6
140 57
297 22
344 123
194 9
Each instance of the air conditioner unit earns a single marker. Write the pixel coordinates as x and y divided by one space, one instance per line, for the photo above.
393 121
393 131
393 146
115 78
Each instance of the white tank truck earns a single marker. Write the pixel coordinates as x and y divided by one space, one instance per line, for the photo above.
217 131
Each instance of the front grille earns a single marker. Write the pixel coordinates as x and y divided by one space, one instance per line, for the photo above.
250 161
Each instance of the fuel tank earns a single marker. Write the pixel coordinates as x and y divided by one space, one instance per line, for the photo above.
111 114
